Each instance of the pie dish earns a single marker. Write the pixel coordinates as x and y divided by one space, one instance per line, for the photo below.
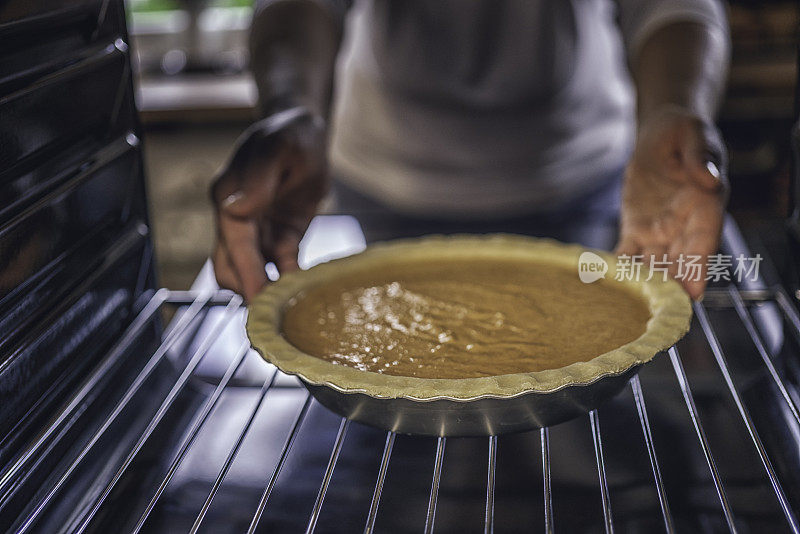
573 344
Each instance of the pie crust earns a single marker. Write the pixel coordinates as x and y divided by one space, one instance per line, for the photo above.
670 310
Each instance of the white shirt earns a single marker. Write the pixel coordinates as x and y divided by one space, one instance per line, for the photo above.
490 108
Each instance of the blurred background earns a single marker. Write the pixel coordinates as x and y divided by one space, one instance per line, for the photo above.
195 96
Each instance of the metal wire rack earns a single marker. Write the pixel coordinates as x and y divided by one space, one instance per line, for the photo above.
193 304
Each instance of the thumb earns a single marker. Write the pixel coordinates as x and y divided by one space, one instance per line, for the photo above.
706 173
709 174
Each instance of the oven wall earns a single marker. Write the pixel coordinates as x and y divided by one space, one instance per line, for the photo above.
75 250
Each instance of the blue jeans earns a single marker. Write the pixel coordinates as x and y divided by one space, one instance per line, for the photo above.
590 219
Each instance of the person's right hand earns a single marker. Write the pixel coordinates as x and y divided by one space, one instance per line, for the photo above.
265 198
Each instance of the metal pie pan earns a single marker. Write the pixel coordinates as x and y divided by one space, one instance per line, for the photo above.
483 416
478 406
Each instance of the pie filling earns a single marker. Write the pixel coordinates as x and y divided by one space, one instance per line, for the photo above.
456 319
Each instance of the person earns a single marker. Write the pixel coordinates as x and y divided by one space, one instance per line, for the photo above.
484 115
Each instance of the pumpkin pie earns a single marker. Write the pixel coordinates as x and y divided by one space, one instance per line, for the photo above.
463 317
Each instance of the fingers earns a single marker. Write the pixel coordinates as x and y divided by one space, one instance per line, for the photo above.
226 275
255 192
627 245
247 186
695 283
280 243
239 237
243 251
700 239
695 288
693 279
705 156
706 174
239 263
676 193
242 200
285 251
271 159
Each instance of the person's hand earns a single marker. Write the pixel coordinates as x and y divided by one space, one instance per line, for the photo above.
675 191
265 198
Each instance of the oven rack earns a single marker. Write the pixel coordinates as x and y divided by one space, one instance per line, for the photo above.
193 303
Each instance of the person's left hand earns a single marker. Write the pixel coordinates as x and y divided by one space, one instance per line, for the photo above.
675 191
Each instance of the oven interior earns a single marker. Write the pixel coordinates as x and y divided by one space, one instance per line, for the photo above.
115 420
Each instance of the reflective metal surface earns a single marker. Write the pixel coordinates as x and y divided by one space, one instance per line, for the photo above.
481 417
75 253
256 453
110 423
